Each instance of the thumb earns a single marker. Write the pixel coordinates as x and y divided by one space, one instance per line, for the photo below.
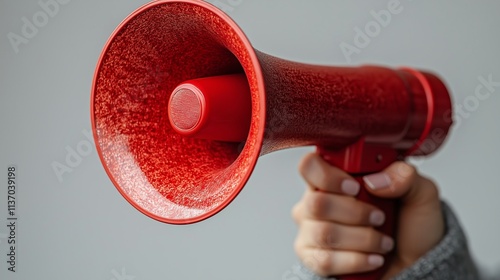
421 224
401 180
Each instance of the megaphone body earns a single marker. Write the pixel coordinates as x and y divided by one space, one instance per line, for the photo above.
183 106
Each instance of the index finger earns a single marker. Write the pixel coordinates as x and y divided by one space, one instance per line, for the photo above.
322 176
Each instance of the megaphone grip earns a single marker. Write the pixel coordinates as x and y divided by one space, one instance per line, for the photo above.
351 160
390 208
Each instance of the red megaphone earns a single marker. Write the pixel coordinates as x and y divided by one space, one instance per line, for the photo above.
183 106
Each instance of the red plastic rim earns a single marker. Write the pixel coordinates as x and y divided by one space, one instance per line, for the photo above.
162 174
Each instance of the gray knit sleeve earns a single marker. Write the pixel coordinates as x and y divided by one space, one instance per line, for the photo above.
449 260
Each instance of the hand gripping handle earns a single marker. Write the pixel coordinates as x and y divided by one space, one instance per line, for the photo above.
354 166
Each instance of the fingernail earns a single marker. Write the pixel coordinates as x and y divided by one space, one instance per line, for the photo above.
387 243
375 260
377 218
377 181
350 187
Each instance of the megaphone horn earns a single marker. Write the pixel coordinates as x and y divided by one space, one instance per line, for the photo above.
179 142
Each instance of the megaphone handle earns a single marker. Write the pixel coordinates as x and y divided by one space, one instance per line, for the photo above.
390 207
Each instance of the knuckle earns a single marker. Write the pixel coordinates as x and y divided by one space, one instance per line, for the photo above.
296 213
298 247
323 263
318 204
325 235
405 171
403 175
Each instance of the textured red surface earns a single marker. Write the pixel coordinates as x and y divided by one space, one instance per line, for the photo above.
362 119
185 109
177 179
167 176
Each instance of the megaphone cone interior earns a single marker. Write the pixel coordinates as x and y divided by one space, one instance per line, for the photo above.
165 175
181 166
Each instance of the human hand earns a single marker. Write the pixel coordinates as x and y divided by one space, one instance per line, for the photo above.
336 231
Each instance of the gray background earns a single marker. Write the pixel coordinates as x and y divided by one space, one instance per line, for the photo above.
81 228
